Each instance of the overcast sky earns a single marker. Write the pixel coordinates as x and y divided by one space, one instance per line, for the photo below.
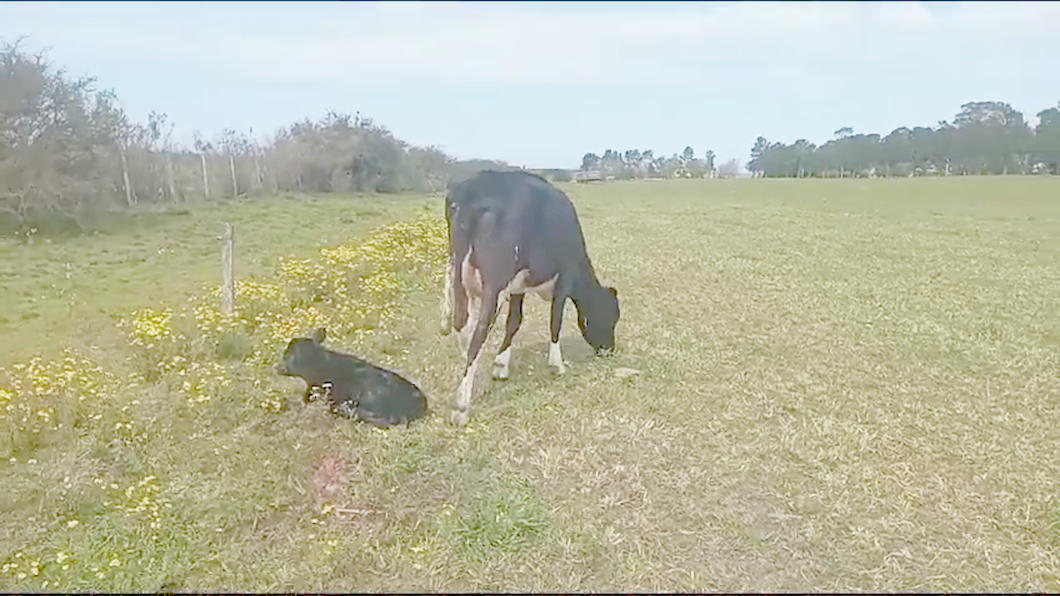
540 84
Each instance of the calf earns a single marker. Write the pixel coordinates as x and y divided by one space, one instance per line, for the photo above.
354 388
511 233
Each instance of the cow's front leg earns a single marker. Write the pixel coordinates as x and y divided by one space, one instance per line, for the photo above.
555 356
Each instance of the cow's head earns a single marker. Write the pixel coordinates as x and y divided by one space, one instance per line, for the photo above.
597 319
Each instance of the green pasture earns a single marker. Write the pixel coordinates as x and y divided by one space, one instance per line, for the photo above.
844 385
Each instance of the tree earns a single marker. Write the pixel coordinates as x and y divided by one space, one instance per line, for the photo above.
433 162
1047 140
67 150
984 138
647 163
729 169
803 156
611 163
590 161
994 138
761 147
62 143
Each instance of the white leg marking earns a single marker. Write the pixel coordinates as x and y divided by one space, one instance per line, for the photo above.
555 359
501 363
462 407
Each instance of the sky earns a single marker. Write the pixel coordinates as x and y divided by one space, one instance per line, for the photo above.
539 84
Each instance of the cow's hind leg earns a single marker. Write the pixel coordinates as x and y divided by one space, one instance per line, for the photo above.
484 318
503 360
473 304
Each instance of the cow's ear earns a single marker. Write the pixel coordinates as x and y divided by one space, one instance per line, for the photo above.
318 335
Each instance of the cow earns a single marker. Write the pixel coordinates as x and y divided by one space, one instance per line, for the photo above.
354 388
513 233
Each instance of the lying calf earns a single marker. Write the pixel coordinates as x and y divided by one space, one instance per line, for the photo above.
355 388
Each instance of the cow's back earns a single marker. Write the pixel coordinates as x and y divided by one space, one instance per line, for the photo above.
516 208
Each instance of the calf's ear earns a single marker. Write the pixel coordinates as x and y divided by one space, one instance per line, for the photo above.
318 335
606 284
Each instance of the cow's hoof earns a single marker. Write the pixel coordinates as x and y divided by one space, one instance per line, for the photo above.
459 418
500 372
558 370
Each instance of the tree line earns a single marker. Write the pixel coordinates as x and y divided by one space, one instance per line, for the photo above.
68 149
635 163
985 137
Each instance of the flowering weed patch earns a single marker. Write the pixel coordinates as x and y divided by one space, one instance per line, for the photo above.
129 531
352 289
39 398
193 357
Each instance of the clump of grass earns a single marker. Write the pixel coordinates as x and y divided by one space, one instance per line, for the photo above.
234 344
503 521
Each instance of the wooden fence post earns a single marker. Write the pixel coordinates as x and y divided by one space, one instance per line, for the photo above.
228 295
232 168
259 178
129 197
171 184
205 178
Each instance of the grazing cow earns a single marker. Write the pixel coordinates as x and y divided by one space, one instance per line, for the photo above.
353 387
511 233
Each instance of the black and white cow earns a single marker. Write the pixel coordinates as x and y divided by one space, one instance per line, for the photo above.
511 233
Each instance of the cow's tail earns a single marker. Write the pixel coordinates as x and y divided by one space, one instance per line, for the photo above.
454 300
461 231
448 298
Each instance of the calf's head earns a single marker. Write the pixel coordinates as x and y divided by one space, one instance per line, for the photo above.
597 318
299 355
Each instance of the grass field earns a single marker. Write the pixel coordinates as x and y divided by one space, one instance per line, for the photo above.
846 385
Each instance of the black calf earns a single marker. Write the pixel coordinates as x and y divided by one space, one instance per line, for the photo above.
354 387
